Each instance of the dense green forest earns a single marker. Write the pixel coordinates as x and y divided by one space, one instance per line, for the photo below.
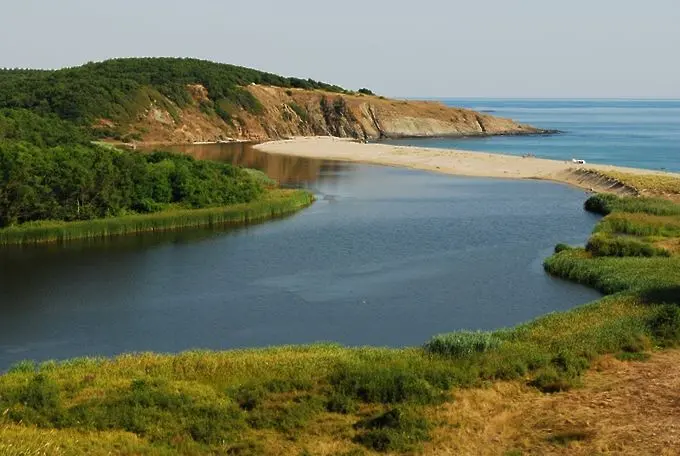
42 131
118 89
50 171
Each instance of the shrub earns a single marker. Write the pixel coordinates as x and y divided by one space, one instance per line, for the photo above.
339 403
605 204
248 397
299 110
365 91
562 247
602 203
665 325
632 356
550 380
564 438
398 429
606 245
462 344
41 394
287 417
385 384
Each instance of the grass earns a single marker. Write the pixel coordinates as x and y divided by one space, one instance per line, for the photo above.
606 204
462 343
291 400
654 183
275 203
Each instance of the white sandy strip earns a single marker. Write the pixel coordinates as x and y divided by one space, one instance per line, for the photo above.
458 162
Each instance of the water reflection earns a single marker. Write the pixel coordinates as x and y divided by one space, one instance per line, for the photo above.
285 169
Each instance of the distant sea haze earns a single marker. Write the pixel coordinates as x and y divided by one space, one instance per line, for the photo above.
634 133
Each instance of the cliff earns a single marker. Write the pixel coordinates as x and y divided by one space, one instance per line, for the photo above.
190 100
298 112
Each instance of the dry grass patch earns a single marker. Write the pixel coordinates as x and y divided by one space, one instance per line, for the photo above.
623 408
657 184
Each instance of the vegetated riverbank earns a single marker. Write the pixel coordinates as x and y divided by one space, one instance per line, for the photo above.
274 203
600 178
327 399
56 185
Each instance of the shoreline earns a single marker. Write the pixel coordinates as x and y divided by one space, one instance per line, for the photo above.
589 177
276 203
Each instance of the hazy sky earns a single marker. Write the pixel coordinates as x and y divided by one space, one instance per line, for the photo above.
490 48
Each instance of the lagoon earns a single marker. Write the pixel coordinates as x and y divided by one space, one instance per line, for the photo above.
385 257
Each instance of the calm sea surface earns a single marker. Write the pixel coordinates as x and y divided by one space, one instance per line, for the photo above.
385 257
635 133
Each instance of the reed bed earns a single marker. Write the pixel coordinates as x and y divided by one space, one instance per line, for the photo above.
275 203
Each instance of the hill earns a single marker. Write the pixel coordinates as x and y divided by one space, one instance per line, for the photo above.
189 100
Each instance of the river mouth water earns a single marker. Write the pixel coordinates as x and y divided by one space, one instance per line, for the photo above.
385 257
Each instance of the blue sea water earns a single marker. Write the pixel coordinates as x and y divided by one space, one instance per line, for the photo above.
634 133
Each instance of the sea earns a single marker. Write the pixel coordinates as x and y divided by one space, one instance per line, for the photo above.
623 132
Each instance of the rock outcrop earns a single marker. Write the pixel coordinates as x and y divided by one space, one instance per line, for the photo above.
295 112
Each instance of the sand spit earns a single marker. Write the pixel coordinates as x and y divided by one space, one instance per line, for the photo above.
458 162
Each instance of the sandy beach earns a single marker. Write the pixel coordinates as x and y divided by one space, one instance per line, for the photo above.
457 162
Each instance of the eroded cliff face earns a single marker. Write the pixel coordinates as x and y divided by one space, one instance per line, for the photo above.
295 112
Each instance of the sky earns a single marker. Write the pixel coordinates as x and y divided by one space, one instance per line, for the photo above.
424 48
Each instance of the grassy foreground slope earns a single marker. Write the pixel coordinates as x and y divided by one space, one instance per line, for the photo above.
327 399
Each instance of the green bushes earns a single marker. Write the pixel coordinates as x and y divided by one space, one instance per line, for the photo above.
602 203
286 417
462 343
299 110
79 182
561 374
562 247
640 225
602 245
665 324
389 384
398 429
339 403
605 203
42 131
120 89
41 394
614 274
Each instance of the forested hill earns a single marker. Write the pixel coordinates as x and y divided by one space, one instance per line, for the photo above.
117 89
187 100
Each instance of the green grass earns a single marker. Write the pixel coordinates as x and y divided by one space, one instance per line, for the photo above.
368 399
605 204
640 225
607 245
275 203
462 343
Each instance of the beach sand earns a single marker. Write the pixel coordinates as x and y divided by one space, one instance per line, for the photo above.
457 162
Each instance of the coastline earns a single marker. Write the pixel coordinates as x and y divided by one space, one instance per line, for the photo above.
275 203
589 177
